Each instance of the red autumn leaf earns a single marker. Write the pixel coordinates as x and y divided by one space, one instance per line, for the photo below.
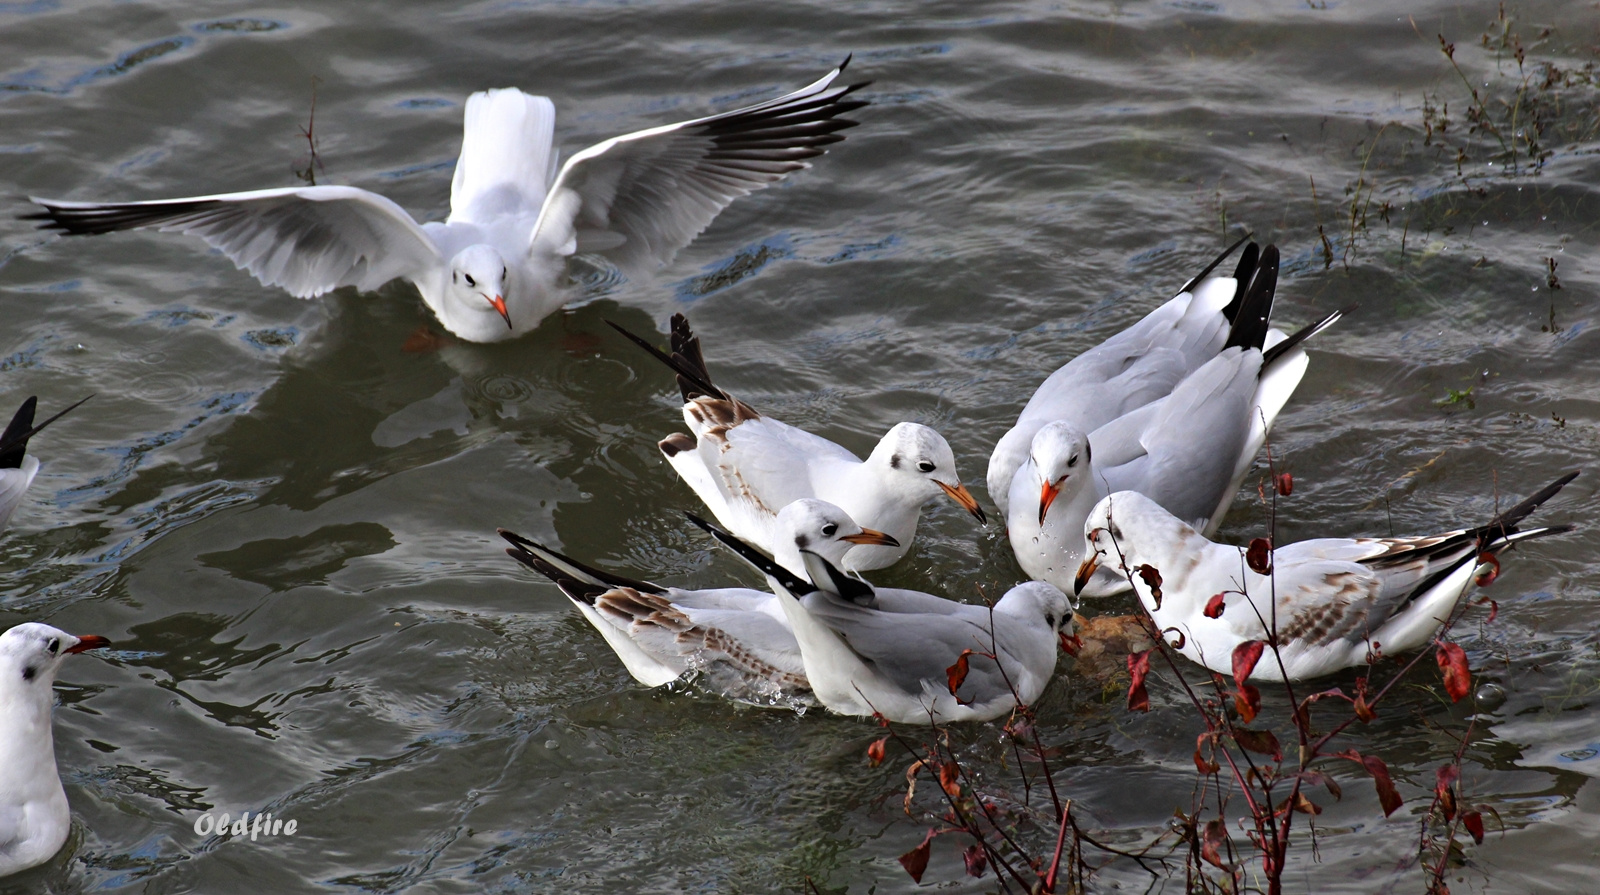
976 859
1488 569
1364 711
1301 804
1445 788
876 750
1214 606
950 778
1071 644
1473 821
1317 777
957 674
1247 702
1261 742
1245 657
1214 842
1453 665
1150 575
915 861
1285 484
1259 556
1494 610
1205 765
1138 667
1387 796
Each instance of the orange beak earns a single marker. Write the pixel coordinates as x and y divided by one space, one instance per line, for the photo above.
871 536
1086 571
88 642
961 495
1047 496
499 303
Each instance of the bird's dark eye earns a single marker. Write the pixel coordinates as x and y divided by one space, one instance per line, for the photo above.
53 645
1072 460
926 466
470 280
830 529
1050 619
503 272
455 276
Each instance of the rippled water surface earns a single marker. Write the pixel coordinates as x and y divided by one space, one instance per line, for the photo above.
285 522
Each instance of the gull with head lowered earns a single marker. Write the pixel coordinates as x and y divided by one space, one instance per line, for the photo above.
1331 603
495 267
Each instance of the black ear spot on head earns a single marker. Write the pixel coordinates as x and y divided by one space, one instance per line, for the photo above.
894 461
29 672
802 541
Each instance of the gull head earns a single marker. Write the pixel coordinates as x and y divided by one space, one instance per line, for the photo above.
30 655
921 461
1106 540
1038 603
478 281
1060 454
826 530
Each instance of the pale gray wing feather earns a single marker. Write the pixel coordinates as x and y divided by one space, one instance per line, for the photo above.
308 240
1192 444
914 650
640 197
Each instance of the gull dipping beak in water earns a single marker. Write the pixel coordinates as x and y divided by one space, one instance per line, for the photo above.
1339 601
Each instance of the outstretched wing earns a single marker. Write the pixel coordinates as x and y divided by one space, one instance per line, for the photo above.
309 240
640 197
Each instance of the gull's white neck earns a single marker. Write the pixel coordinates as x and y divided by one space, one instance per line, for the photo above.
27 747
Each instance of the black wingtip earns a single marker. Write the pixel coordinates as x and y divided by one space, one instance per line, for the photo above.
1506 522
1195 280
14 442
846 63
523 546
690 379
791 582
1273 354
1250 325
851 589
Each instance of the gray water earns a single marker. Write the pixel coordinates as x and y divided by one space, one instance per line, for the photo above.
286 523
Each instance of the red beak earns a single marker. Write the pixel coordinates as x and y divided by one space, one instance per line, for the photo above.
1047 496
88 642
499 303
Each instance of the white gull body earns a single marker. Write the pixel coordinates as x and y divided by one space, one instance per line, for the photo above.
34 818
1188 448
1334 601
746 467
737 637
497 265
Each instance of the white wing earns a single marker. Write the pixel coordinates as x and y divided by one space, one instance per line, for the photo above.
14 486
309 240
640 197
506 158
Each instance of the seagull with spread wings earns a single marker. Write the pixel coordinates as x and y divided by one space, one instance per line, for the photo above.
495 267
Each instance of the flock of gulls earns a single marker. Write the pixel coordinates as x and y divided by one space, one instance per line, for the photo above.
1124 462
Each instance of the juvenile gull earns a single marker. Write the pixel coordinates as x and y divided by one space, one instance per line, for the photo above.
1335 601
862 659
746 466
495 267
34 819
1189 449
738 638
